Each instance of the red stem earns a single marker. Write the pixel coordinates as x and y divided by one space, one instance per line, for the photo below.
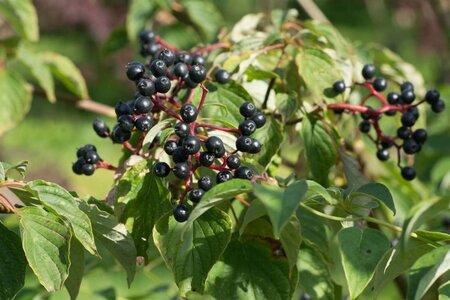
165 44
190 96
107 166
165 109
380 97
202 100
129 147
212 47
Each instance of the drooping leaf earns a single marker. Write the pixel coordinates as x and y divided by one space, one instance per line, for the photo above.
291 239
67 73
117 40
248 270
76 270
218 194
280 203
38 69
426 270
149 202
15 100
361 250
271 138
45 240
139 12
114 237
58 200
12 264
321 153
377 192
205 16
314 275
154 131
22 17
191 252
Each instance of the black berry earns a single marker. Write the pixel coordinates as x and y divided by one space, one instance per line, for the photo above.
100 128
92 157
162 84
180 70
408 96
364 126
214 145
198 60
122 109
255 147
223 176
146 87
244 143
126 122
189 83
120 135
196 194
158 67
167 56
170 146
222 76
191 144
379 84
259 118
88 169
410 146
183 57
182 129
77 167
233 161
142 105
438 106
403 132
144 123
368 71
147 36
408 173
188 112
247 109
406 86
161 169
205 183
206 158
432 96
197 73
247 127
135 71
383 154
179 155
339 86
181 170
393 98
420 135
408 119
180 213
243 173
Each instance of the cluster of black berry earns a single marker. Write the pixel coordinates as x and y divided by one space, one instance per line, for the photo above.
87 160
191 148
406 139
191 145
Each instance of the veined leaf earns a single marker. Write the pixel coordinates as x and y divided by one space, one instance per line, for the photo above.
76 270
377 192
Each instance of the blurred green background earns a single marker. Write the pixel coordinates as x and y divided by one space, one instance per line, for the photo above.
417 30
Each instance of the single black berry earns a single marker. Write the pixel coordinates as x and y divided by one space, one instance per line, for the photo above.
215 145
379 84
146 87
364 126
196 194
255 147
88 169
233 161
181 170
144 123
126 122
383 154
162 84
432 96
142 105
222 76
147 36
180 213
403 132
406 86
410 146
170 146
180 155
205 183
167 56
189 83
81 152
243 173
92 157
183 57
244 143
408 173
408 119
247 127
259 118
408 96
77 167
100 128
393 98
161 169
368 71
122 109
150 49
182 129
158 67
197 73
339 86
188 112
365 115
247 109
191 144
198 60
438 106
120 135
420 135
206 158
413 110
135 71
223 176
386 144
180 70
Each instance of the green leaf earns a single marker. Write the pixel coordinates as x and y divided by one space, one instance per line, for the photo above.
286 104
377 192
205 16
67 73
444 291
2 172
249 270
255 211
319 72
117 40
218 194
22 17
15 100
321 153
76 270
61 202
427 270
291 239
313 230
114 237
20 167
154 131
259 74
151 202
38 69
352 170
280 203
316 191
139 13
191 252
12 264
314 275
45 240
271 138
361 250
130 184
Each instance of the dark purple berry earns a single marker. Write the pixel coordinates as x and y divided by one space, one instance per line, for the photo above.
144 123
364 126
233 161
183 57
420 135
438 106
379 84
206 158
205 183
255 147
158 68
170 146
432 96
215 145
259 118
180 213
88 169
198 60
100 128
368 71
135 71
92 157
223 176
180 70
191 144
126 122
180 155
222 76
247 127
181 170
120 135
123 109
408 119
408 96
244 143
410 146
408 173
142 105
161 169
182 129
383 154
403 132
167 56
339 86
146 87
77 167
406 86
196 194
393 98
188 112
243 173
162 84
247 109
147 36
197 73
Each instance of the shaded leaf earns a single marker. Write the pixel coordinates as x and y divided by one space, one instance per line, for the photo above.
139 12
255 211
117 40
154 131
205 17
271 137
377 192
45 240
291 239
76 270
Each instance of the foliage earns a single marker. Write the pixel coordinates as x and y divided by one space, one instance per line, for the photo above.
309 223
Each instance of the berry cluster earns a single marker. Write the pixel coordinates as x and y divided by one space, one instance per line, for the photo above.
191 145
87 160
406 140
